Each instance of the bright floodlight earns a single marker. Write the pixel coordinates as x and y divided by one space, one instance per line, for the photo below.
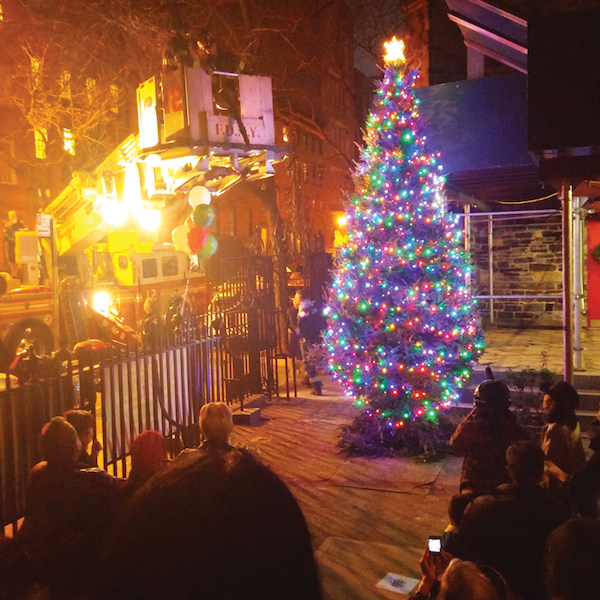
342 221
394 52
101 302
114 213
149 219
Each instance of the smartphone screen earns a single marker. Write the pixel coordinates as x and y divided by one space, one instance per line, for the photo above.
435 544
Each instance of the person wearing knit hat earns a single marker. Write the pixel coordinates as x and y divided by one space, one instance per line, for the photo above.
148 455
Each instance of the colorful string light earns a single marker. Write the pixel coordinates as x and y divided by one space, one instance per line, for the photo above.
403 328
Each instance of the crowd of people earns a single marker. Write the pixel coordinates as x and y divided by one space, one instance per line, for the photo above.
214 522
525 525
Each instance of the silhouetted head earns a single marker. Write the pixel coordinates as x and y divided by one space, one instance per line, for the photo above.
492 394
211 525
594 435
148 452
59 442
572 559
525 463
560 403
457 507
83 421
462 580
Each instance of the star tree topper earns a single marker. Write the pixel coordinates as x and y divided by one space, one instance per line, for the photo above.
394 52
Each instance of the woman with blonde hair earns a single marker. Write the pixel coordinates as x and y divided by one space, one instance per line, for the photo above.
447 578
216 425
463 580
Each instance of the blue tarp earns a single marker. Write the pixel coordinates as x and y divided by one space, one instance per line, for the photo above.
478 124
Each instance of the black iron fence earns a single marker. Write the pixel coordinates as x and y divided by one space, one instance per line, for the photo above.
225 356
24 408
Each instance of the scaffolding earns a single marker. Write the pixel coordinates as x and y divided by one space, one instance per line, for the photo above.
573 267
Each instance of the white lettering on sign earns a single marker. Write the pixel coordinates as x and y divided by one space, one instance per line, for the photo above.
223 129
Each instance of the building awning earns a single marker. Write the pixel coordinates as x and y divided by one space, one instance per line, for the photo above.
494 32
480 128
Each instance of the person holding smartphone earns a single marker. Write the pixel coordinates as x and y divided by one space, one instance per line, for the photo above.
445 577
433 562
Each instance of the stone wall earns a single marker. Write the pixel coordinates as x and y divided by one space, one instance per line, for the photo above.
527 261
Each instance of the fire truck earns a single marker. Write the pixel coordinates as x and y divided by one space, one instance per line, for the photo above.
95 257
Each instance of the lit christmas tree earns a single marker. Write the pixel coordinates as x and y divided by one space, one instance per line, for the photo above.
403 328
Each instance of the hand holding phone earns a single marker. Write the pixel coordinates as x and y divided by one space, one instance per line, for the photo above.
434 544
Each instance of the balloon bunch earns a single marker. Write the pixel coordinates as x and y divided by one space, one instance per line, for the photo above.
193 237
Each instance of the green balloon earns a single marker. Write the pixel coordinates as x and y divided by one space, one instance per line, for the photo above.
203 215
209 248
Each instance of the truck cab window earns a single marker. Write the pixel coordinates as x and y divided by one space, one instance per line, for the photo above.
149 268
170 266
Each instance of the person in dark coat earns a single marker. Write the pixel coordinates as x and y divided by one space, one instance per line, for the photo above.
583 485
152 324
148 456
508 532
572 559
310 326
10 232
483 437
215 525
68 511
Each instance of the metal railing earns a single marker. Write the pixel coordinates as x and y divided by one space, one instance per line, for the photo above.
24 409
214 357
492 217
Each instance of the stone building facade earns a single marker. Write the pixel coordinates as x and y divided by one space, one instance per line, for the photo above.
526 261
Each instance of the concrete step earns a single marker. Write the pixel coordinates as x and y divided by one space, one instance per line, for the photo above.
462 409
589 399
247 416
588 387
587 381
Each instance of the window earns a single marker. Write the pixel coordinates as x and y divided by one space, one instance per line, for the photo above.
90 85
68 141
335 94
36 67
286 134
40 143
7 173
65 85
170 266
340 138
320 176
149 268
232 220
115 93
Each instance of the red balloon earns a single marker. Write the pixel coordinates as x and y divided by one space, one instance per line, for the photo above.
196 239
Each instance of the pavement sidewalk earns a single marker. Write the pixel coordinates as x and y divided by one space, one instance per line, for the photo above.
367 517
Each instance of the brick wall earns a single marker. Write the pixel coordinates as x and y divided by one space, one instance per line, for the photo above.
527 261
